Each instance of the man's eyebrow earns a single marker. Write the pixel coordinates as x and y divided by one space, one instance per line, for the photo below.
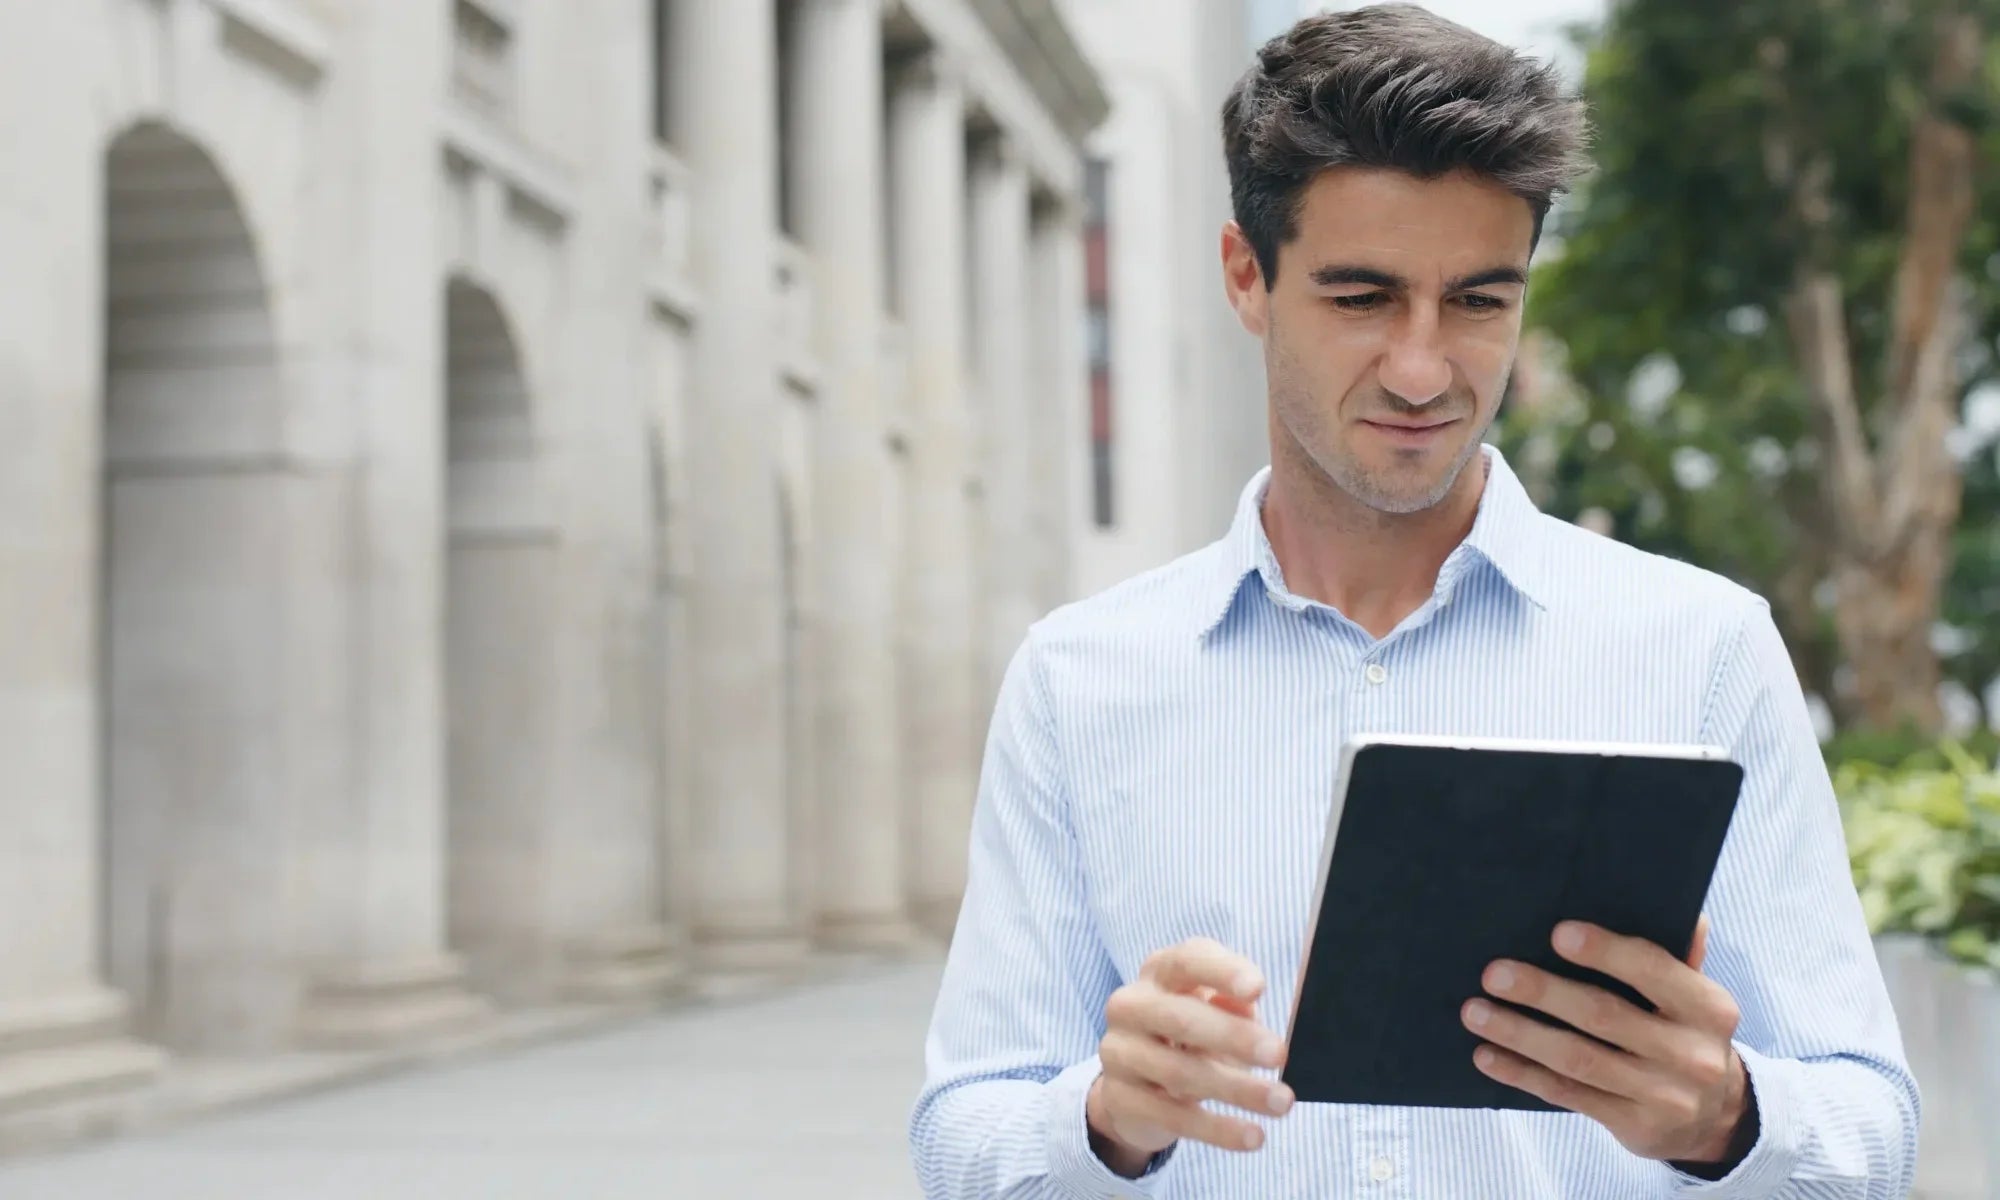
1488 278
1335 276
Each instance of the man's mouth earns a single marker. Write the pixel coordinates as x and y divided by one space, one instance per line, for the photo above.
1411 431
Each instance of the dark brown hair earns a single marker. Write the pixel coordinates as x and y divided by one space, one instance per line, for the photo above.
1393 86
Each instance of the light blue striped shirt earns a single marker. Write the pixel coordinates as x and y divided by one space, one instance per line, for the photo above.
1160 766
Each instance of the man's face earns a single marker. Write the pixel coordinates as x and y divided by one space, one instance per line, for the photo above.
1392 328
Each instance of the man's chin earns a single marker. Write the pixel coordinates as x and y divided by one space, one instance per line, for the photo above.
1393 504
1402 490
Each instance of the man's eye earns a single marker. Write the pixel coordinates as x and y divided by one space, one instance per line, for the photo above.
1479 303
1361 303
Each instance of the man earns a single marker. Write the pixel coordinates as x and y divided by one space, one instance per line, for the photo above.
1152 806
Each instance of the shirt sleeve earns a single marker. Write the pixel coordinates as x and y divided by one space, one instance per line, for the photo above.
1838 1109
1011 1050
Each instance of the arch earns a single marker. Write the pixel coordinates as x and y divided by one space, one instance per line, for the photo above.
500 597
486 391
194 548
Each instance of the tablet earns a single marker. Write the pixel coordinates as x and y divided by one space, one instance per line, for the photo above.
1443 854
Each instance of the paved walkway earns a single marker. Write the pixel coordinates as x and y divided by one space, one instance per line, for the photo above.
801 1096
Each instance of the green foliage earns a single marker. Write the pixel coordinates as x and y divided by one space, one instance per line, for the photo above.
1674 261
1906 748
1924 843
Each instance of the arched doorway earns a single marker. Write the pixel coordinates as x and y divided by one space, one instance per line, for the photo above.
195 537
499 653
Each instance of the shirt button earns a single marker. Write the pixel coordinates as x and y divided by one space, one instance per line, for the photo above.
1377 673
1381 1170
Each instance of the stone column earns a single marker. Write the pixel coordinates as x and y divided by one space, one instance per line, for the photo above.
838 155
1061 415
927 128
727 91
605 915
1005 408
62 1030
376 873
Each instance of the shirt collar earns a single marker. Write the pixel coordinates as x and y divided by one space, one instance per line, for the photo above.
1503 537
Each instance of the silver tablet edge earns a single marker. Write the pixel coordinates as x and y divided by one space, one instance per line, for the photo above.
1345 769
1694 750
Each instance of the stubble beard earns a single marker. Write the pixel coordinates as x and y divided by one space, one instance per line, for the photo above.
1316 441
1386 495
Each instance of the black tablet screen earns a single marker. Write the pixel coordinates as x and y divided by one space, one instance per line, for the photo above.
1448 858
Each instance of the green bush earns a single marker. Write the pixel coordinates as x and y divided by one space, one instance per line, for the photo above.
1905 748
1924 842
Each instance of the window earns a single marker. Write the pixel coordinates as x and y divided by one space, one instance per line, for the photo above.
893 60
1100 336
789 99
663 67
482 61
1097 308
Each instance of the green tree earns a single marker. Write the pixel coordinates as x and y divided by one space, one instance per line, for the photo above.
1770 301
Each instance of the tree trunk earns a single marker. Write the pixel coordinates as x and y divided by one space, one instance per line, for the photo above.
1884 614
1891 511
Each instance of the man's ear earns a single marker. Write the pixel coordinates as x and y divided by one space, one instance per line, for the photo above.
1243 281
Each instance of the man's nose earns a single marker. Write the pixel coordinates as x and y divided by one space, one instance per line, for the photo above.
1415 367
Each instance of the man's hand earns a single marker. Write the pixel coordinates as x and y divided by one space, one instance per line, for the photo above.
1669 1085
1182 1033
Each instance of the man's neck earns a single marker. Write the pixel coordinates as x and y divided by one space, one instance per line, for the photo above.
1375 568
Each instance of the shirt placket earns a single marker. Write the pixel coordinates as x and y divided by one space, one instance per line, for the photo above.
1382 1134
1365 672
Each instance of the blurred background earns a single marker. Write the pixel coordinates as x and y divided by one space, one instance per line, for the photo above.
516 512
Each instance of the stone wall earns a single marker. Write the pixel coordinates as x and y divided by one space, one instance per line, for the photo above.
507 501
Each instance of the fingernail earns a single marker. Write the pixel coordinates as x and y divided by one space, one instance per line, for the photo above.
1253 1137
1269 1051
1503 978
1281 1099
1569 938
1246 984
1479 1012
1483 1057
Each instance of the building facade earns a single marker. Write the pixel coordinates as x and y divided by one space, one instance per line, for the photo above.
508 499
1177 421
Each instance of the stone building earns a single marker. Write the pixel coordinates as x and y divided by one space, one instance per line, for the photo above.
1177 422
508 500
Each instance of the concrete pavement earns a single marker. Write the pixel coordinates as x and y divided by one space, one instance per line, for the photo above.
799 1096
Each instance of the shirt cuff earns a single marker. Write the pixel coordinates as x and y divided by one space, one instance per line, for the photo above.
1073 1165
1775 1153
